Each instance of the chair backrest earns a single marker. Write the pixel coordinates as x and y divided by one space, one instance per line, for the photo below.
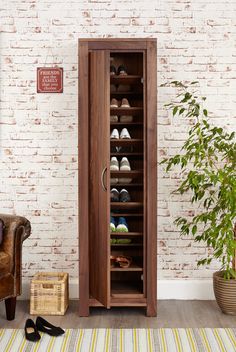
1 230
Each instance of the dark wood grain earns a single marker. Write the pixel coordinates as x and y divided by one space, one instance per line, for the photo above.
151 178
10 305
94 152
83 180
99 212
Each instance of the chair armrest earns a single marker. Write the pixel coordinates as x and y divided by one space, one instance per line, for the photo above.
16 230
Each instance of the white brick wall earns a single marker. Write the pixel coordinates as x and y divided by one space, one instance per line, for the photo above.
38 160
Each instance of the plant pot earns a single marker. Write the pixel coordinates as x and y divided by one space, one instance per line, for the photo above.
225 293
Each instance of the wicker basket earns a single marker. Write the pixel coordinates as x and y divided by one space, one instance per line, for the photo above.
49 294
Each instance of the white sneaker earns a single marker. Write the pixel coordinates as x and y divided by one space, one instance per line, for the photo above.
114 164
114 134
125 134
124 164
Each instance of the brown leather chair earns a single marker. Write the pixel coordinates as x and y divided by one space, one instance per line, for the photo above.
15 230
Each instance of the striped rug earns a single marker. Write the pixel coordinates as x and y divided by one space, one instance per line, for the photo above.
124 340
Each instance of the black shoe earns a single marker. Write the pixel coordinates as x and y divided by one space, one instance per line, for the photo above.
114 195
112 70
44 326
122 70
124 196
31 332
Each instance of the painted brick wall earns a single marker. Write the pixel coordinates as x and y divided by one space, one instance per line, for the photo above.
38 160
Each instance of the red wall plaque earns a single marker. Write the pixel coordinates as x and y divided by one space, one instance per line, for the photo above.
49 80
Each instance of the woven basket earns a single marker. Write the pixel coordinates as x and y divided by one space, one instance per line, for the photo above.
49 294
225 293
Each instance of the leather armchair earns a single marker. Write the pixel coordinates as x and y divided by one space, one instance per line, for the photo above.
16 230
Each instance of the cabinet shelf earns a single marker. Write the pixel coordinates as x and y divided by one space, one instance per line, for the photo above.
131 173
127 154
126 288
126 111
132 267
131 124
126 234
125 94
127 214
128 79
126 245
126 185
128 205
125 142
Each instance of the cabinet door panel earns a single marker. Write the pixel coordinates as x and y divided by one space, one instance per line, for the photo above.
99 212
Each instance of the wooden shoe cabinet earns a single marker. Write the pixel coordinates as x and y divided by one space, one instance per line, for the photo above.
100 283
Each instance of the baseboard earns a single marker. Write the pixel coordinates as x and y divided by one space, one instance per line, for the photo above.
167 289
185 289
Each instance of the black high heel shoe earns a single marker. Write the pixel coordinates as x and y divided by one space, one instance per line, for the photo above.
31 332
44 326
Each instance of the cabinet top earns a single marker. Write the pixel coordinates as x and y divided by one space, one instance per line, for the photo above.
117 39
127 44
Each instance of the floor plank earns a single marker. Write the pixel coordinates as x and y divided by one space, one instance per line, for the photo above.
171 313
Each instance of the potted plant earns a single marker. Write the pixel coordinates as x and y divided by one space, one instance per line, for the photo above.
207 163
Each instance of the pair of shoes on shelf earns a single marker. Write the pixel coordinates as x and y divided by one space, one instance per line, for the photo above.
123 118
122 196
124 134
123 104
121 71
124 166
119 225
121 240
121 260
32 329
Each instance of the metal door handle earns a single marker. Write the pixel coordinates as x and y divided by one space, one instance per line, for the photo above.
102 178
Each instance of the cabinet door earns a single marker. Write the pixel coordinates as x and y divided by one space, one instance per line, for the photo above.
99 192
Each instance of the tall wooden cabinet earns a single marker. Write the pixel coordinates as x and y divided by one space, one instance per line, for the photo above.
103 280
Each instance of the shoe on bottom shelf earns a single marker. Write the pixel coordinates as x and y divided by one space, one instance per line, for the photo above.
122 225
124 261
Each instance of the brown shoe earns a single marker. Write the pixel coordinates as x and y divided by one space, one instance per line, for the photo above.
124 262
112 260
125 103
114 103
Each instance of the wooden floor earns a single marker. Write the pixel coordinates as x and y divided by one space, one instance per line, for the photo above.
171 313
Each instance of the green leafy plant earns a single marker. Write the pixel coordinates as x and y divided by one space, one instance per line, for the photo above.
207 161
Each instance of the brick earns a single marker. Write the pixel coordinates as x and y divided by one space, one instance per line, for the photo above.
39 162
